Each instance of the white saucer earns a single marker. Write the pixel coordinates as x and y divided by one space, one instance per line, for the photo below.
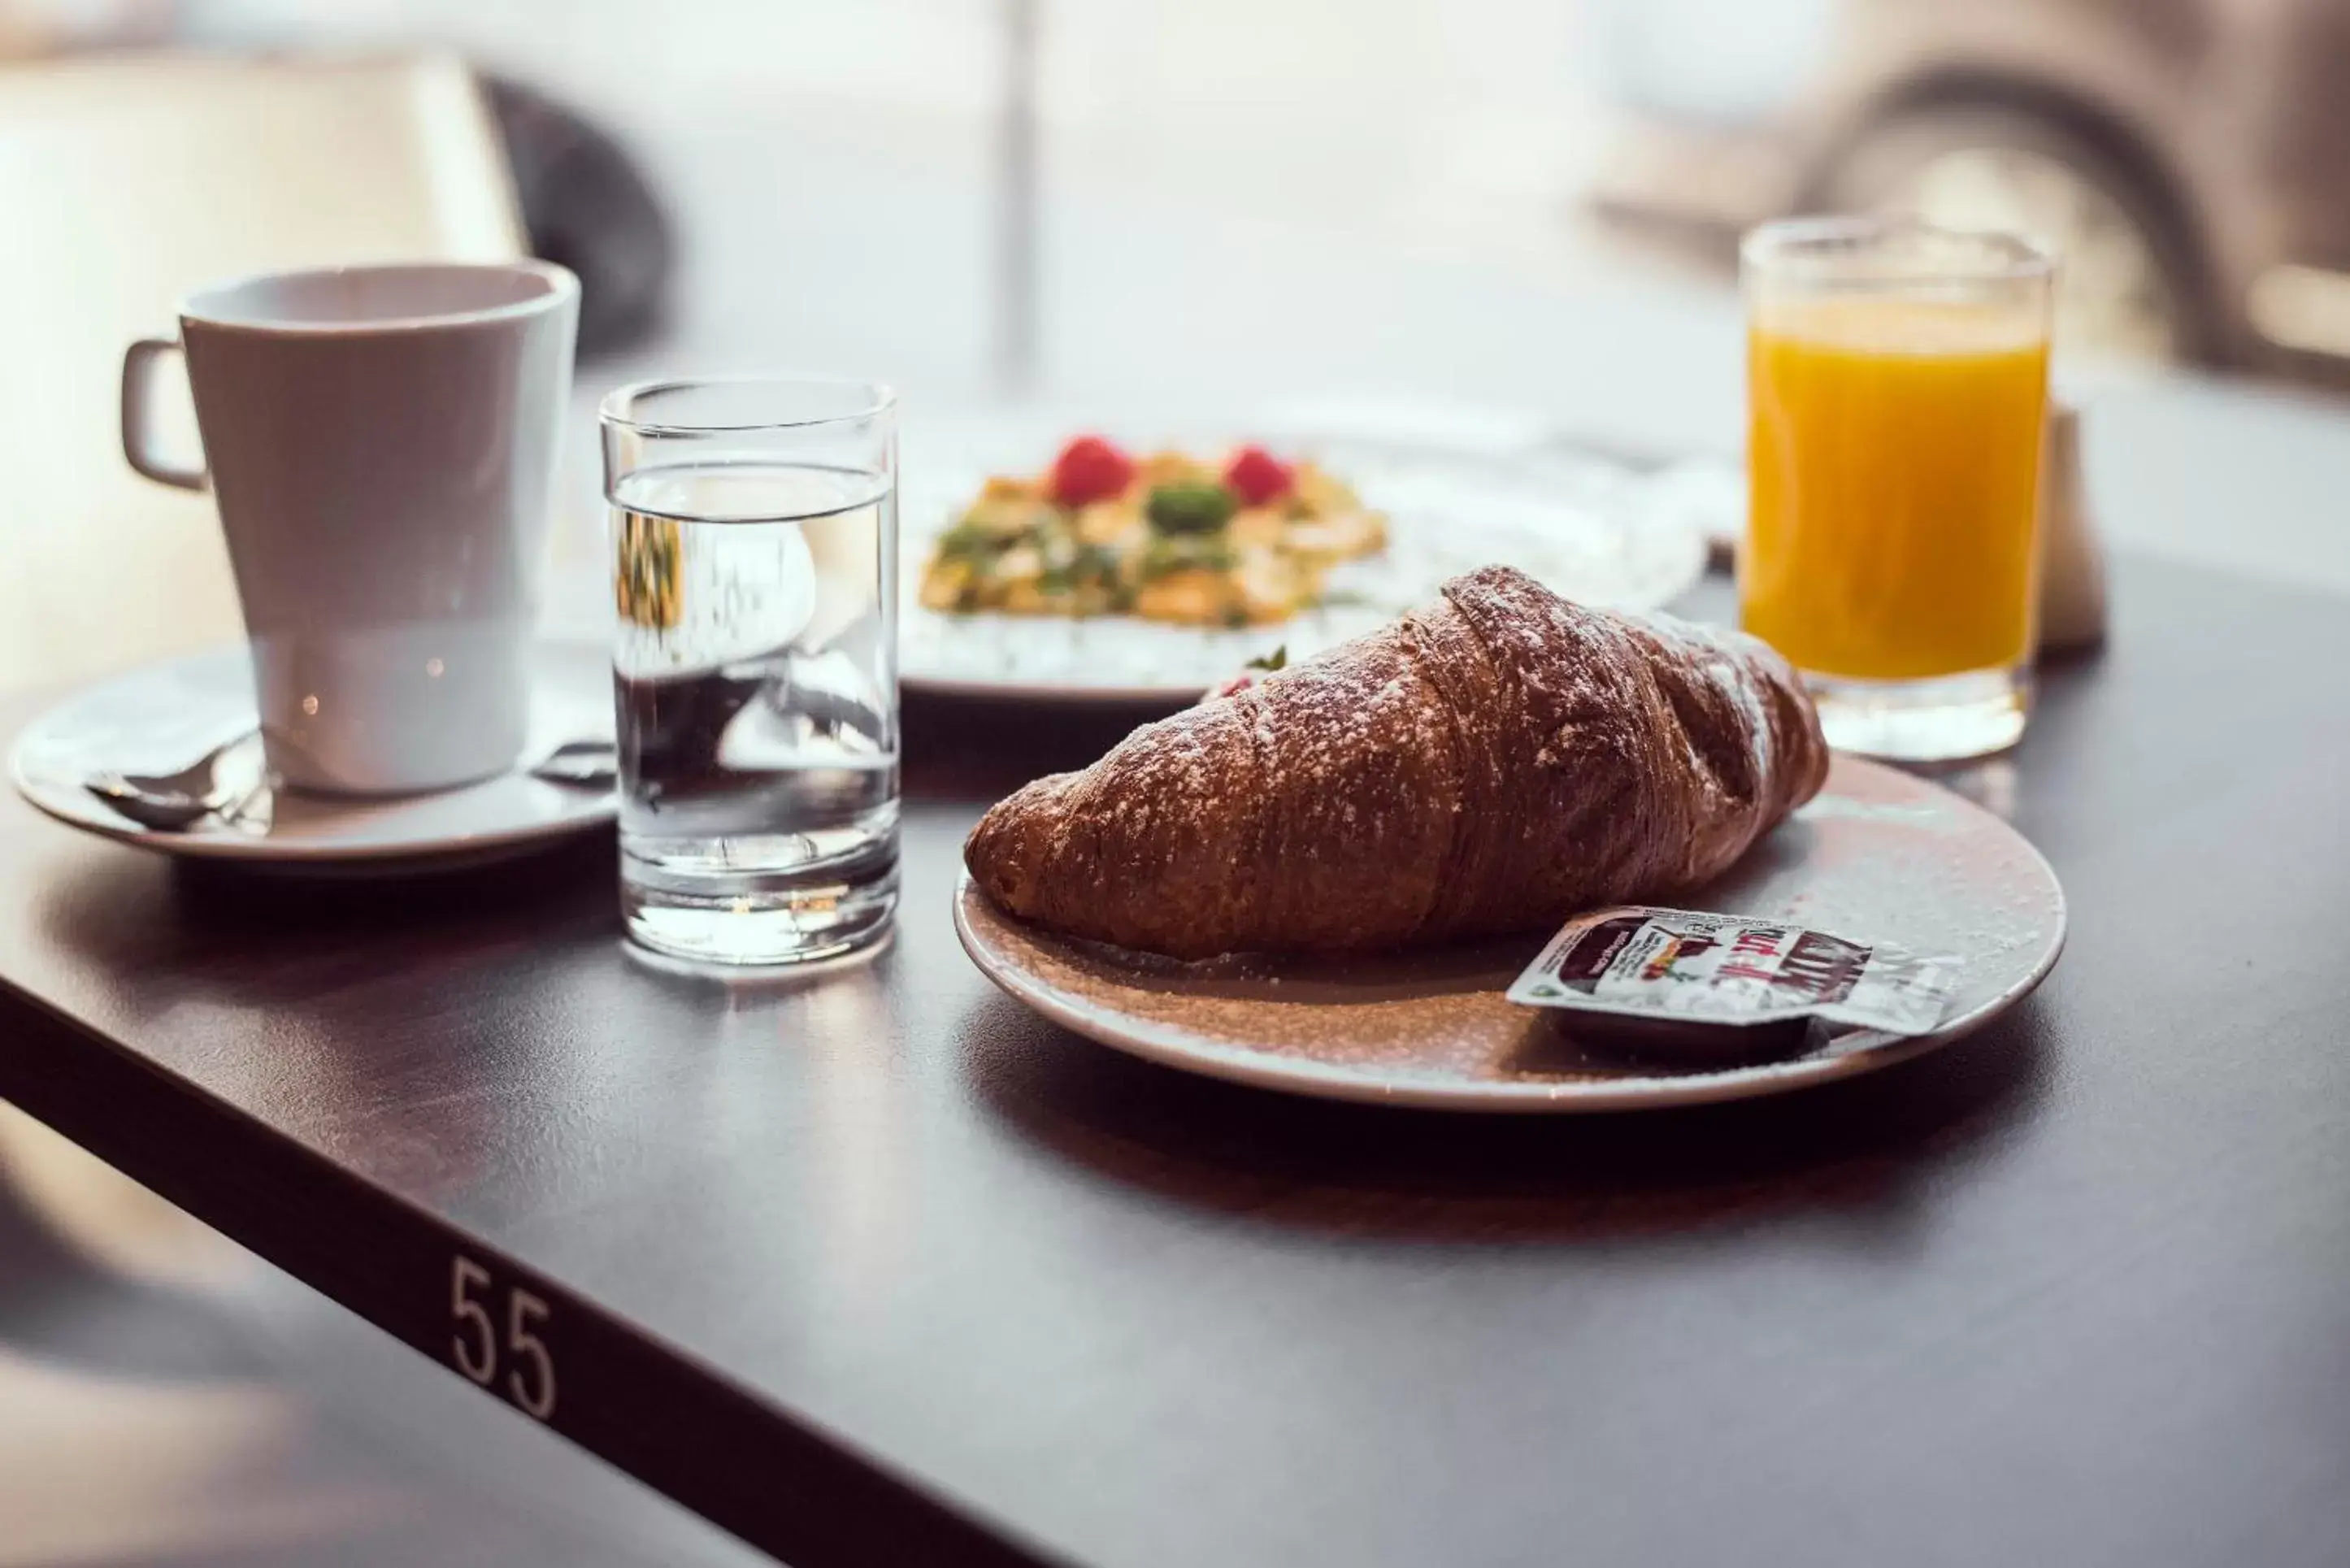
156 720
1879 857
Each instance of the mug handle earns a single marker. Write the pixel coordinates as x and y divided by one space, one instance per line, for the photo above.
137 375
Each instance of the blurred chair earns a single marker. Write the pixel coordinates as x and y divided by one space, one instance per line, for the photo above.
124 183
589 207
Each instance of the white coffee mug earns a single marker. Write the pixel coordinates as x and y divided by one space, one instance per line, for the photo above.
380 441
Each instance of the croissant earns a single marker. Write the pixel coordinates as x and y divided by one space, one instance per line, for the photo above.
1489 764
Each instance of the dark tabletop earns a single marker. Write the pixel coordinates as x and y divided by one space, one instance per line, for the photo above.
882 1269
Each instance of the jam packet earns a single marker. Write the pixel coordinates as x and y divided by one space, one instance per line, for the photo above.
1679 979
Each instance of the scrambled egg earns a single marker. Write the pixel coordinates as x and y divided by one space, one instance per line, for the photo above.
645 584
1179 541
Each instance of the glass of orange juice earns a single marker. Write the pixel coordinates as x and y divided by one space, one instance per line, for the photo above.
1898 389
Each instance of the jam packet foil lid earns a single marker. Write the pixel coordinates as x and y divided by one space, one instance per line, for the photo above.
1688 967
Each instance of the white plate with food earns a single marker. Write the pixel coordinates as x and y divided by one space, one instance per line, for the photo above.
1152 577
1493 764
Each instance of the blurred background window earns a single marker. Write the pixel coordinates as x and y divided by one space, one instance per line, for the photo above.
2189 156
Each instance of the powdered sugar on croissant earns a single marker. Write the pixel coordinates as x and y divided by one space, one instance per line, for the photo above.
1489 764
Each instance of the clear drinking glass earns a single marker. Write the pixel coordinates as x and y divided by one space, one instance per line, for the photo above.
1896 389
754 538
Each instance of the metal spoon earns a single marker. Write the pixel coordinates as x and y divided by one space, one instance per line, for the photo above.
175 802
585 765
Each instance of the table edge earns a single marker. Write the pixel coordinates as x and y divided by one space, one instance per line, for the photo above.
680 1426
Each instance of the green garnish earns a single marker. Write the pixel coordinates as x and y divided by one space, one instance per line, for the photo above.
1277 659
1185 552
1192 508
967 542
1079 567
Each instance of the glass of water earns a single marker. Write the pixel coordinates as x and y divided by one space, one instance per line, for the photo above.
754 541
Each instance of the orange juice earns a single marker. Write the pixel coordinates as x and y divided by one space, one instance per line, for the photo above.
1894 446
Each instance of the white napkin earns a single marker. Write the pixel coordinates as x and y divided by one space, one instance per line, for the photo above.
2071 557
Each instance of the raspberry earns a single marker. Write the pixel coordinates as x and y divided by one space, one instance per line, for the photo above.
1256 476
1089 469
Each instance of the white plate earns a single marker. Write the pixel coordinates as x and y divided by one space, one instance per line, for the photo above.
1879 857
1583 527
158 719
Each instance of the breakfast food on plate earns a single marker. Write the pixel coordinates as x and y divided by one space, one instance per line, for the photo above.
1241 543
1493 763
